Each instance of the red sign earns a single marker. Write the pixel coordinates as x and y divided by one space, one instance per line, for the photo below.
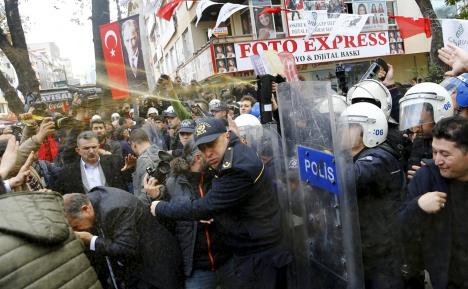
113 56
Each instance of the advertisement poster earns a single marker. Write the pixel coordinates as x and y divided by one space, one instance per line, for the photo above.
322 13
265 25
316 49
378 10
225 58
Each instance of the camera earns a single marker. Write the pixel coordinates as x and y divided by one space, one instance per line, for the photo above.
374 68
162 169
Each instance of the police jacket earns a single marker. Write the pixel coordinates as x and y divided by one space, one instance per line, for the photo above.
240 201
379 185
210 247
38 247
432 231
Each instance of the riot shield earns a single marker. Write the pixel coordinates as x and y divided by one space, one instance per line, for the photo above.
322 215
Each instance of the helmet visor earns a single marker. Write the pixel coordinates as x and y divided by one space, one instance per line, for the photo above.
415 115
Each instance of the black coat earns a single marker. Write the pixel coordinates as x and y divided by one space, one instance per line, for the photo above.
379 187
134 238
240 200
180 188
69 177
429 234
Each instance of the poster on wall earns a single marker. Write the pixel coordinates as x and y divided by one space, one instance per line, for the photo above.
264 24
396 42
322 13
225 56
378 10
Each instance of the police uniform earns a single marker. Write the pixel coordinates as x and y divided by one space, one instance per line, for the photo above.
243 204
379 186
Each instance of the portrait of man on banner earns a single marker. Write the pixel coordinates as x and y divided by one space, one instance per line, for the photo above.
264 24
133 56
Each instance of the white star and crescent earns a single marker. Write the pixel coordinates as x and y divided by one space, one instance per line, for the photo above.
110 33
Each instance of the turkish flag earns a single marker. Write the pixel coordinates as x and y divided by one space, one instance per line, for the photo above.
412 26
166 11
113 58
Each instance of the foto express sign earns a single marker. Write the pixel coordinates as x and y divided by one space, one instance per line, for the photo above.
316 49
318 169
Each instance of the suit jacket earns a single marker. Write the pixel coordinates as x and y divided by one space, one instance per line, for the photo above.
135 239
136 82
69 179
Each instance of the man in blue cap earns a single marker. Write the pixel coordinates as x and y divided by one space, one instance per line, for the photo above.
244 206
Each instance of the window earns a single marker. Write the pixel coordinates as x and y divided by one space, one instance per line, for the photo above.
187 44
267 26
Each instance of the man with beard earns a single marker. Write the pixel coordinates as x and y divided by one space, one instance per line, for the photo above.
106 145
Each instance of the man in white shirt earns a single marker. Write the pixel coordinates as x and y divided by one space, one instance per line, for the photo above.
91 170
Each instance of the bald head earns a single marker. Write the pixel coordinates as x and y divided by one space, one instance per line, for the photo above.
79 211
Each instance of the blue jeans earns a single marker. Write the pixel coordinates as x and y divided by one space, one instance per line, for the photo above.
201 279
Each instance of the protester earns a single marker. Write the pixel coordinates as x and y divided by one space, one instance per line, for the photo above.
106 144
120 234
202 245
246 104
435 210
91 169
455 57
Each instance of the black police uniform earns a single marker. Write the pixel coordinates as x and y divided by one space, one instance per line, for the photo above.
242 203
379 186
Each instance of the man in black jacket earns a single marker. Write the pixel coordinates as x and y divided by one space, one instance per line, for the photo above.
116 226
434 215
242 203
90 170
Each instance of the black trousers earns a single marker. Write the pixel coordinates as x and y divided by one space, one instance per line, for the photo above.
262 270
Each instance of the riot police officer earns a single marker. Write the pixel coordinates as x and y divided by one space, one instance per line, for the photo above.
458 89
243 205
379 183
422 106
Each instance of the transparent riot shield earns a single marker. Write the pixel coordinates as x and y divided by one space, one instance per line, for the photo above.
321 211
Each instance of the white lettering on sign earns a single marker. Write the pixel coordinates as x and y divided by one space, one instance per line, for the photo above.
56 96
320 170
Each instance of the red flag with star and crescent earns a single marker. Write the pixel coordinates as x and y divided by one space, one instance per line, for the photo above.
114 61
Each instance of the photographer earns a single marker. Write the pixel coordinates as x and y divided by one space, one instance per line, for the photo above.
148 157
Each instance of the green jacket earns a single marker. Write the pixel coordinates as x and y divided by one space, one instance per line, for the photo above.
38 249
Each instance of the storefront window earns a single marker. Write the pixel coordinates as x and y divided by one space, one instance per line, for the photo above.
267 26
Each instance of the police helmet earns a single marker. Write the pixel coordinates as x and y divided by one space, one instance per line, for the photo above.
424 103
372 91
458 85
370 118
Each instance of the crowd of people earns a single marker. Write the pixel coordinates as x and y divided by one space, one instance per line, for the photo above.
173 195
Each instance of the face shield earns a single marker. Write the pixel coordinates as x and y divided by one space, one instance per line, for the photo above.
458 89
415 114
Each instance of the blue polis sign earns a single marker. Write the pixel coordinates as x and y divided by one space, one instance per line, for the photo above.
318 169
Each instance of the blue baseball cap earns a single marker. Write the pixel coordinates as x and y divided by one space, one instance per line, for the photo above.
187 125
208 129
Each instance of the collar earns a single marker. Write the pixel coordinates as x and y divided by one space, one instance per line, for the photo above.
88 166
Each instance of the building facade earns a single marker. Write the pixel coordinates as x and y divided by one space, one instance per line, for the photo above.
180 47
51 69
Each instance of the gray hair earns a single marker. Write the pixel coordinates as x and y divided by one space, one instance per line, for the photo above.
72 204
131 23
87 135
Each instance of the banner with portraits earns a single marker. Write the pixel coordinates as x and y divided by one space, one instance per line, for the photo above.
123 57
322 13
225 58
379 14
